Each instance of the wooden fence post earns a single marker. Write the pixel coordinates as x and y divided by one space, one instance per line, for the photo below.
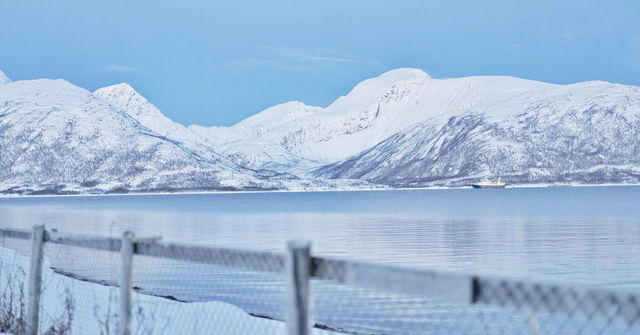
126 267
298 271
533 323
35 278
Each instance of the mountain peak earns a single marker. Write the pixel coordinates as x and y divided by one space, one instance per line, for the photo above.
282 113
367 91
404 73
125 98
119 89
4 79
388 79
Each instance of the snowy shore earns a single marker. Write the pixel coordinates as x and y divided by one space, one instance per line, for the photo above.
11 196
87 308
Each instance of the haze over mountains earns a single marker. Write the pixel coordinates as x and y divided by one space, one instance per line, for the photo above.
401 129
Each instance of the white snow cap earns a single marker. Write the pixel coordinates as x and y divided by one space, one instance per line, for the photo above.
372 86
117 89
4 79
404 73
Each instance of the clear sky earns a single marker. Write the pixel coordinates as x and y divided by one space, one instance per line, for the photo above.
215 63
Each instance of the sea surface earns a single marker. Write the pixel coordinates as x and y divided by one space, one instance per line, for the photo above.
587 236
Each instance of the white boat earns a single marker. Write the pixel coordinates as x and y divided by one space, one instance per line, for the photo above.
488 183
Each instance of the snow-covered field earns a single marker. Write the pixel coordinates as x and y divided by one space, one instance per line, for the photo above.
86 308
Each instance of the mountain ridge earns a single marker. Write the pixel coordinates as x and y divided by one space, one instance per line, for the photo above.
4 79
400 129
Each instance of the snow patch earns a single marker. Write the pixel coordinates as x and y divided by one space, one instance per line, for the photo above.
92 303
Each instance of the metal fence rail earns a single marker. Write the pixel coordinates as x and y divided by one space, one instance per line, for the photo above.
582 304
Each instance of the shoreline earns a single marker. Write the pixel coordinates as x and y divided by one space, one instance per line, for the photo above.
514 186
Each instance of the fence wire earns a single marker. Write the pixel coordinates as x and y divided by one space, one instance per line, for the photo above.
565 309
82 283
404 301
366 311
180 289
231 296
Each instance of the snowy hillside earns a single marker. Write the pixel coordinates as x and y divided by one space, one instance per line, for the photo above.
58 138
402 128
586 133
310 136
125 98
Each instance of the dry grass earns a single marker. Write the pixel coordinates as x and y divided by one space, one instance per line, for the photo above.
13 309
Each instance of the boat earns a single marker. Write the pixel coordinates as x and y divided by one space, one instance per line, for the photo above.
488 183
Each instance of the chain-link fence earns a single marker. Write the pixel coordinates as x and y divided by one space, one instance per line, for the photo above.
360 298
99 285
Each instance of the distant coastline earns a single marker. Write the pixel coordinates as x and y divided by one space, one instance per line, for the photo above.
518 186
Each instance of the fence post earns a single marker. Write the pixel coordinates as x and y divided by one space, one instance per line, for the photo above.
126 267
35 278
533 322
298 271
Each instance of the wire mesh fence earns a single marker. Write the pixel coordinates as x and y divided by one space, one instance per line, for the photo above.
367 311
564 309
370 299
179 288
231 284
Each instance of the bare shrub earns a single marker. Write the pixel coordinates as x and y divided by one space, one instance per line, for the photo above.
108 322
12 305
62 324
13 309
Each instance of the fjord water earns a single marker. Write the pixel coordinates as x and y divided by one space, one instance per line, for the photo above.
588 235
567 235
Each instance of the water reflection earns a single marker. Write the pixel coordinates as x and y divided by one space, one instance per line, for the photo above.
585 235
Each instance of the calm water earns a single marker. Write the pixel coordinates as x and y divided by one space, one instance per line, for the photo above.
583 235
580 234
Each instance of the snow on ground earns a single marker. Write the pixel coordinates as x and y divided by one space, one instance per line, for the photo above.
88 308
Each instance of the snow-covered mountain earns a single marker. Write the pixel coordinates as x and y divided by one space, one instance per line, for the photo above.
402 128
405 128
125 98
302 137
57 137
527 132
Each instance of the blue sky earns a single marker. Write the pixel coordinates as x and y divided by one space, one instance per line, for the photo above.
215 63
